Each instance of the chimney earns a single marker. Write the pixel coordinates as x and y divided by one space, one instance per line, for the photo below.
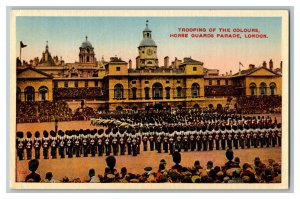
175 62
166 62
226 73
271 64
251 66
130 64
137 59
230 73
265 64
281 66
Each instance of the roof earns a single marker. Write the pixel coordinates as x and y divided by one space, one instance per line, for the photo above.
147 29
189 60
249 71
147 42
35 70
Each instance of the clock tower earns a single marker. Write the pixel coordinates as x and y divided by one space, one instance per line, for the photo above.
147 51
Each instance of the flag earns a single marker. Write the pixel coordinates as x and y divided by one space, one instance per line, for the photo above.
240 63
22 45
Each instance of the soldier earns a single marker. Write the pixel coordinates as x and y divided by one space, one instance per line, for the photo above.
46 143
242 139
77 144
166 141
151 139
145 138
210 141
262 138
69 142
229 140
236 140
122 141
274 138
93 143
107 141
204 140
185 139
37 145
85 143
158 142
267 138
61 144
193 139
138 140
100 142
178 139
29 145
248 138
171 140
53 144
254 138
134 143
129 141
217 139
198 139
223 140
115 143
279 137
20 145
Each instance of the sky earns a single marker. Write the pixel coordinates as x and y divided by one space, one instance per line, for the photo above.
121 36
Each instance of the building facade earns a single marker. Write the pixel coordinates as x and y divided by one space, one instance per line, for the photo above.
116 85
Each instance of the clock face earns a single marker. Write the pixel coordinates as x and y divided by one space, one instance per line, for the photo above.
149 52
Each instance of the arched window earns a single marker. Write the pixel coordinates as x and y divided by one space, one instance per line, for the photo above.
87 58
252 89
18 94
273 88
133 93
195 90
43 93
119 108
147 95
168 92
196 106
157 91
263 88
179 91
29 93
118 91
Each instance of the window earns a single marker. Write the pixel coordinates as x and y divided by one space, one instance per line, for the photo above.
55 85
195 90
118 68
66 84
252 89
133 93
263 88
18 94
29 93
194 68
147 96
157 91
43 92
168 93
143 52
86 84
210 82
146 82
226 82
273 88
134 82
218 82
178 81
96 83
118 91
76 84
88 59
167 81
178 89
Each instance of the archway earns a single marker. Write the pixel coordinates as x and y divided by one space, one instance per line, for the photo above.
219 107
273 88
118 91
119 108
195 90
211 106
263 88
29 93
196 106
43 93
252 89
157 91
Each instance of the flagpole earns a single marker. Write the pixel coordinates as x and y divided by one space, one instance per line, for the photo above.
21 54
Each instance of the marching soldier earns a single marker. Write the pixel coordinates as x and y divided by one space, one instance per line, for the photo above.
37 145
138 140
254 138
248 139
129 141
279 137
217 140
107 142
171 140
198 139
151 139
267 138
145 138
158 142
185 139
85 143
53 144
274 138
210 141
242 140
46 143
193 139
166 141
100 142
93 143
229 140
69 144
236 140
20 145
204 140
61 144
178 141
115 141
134 143
122 141
77 144
29 146
262 138
223 140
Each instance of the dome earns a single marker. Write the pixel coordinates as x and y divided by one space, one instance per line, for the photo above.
86 44
147 42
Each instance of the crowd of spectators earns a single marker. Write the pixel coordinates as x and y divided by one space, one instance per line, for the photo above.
259 104
84 113
211 91
232 171
88 93
43 111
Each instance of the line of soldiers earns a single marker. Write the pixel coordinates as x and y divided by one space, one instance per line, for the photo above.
165 139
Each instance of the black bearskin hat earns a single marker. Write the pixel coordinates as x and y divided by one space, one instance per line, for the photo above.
20 134
52 133
29 135
37 134
45 133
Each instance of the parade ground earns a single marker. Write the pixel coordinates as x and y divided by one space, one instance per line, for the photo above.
79 167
